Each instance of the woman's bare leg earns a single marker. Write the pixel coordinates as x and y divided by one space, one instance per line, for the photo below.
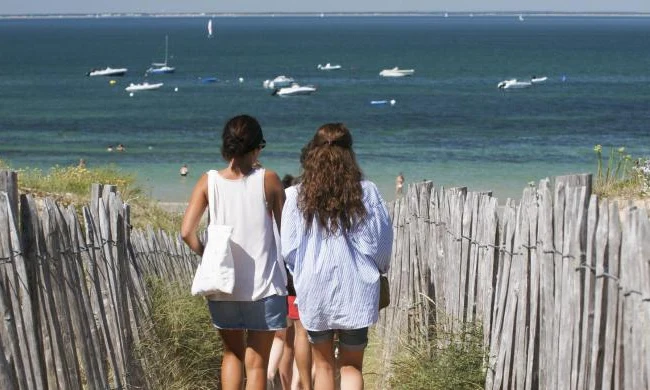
286 363
256 358
277 350
323 355
351 364
303 356
233 358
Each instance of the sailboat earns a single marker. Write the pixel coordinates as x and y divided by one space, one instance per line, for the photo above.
162 67
210 28
521 17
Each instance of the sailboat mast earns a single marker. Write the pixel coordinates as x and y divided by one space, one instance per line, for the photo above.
166 48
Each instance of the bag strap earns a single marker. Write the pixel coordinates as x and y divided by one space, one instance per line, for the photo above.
212 183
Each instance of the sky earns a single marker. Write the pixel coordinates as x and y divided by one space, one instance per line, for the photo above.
155 6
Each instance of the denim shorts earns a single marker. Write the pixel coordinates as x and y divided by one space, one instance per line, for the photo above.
268 313
350 339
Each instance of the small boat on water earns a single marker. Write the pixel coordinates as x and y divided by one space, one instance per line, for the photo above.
396 72
142 87
295 89
108 71
278 82
381 102
162 67
536 80
513 84
328 66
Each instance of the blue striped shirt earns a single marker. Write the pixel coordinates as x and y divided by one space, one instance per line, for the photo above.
337 277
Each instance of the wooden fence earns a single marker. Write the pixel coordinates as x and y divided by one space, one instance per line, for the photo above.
560 281
73 299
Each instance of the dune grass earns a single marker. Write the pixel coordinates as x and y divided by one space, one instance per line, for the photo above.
72 184
451 360
179 349
620 175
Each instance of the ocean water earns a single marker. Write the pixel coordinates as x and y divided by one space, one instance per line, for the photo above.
450 123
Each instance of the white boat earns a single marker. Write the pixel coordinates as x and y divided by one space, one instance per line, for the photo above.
162 67
513 84
328 66
142 87
210 28
108 71
380 102
278 82
521 17
536 80
396 72
295 89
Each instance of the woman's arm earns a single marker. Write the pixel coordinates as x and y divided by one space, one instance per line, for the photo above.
274 191
193 214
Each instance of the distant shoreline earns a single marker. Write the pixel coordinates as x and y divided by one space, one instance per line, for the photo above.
463 14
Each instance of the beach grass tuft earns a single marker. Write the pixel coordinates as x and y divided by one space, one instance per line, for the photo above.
451 360
621 176
179 348
72 185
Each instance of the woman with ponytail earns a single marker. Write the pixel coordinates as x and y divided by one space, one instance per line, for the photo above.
248 198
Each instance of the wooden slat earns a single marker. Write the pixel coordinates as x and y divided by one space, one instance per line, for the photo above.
587 269
611 273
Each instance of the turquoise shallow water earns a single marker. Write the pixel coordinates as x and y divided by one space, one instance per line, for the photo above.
450 123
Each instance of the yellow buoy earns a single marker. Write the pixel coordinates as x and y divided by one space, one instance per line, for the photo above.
112 82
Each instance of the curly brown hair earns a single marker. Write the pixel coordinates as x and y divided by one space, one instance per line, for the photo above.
331 181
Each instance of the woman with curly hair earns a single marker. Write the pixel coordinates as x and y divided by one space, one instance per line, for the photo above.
336 240
250 199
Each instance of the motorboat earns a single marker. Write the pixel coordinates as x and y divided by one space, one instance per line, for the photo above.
328 66
536 80
162 67
108 71
381 102
278 82
295 89
513 84
142 87
396 72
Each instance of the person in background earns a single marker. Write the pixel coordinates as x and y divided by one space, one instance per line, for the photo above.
109 148
120 148
82 163
399 185
250 200
184 171
336 240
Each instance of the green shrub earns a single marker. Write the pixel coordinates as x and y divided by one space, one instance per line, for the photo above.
180 349
450 361
72 185
621 176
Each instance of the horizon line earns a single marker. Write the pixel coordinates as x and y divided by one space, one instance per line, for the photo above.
321 14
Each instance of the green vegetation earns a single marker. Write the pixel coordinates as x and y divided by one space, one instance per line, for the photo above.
451 360
621 176
180 349
71 185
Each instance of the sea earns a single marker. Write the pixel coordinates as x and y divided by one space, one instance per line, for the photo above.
449 122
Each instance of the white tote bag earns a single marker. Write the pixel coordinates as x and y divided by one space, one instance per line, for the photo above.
216 273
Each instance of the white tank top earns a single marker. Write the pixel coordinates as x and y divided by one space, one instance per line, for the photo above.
241 203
